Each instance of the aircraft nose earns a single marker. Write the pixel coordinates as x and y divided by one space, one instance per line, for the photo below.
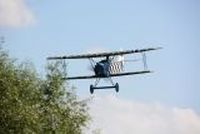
99 69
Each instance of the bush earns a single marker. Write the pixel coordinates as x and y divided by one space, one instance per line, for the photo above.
30 104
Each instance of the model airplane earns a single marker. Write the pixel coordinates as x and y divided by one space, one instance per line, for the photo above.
111 66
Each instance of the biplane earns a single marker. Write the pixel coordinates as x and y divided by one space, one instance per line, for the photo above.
111 64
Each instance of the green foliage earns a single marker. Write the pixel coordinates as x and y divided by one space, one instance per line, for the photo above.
30 104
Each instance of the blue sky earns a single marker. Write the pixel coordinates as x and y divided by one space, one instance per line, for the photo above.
73 27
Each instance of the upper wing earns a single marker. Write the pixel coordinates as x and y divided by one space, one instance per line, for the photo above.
104 54
112 75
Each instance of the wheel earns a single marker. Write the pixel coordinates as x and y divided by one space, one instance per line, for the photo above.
91 89
117 87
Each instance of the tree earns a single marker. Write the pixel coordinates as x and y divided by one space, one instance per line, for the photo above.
30 104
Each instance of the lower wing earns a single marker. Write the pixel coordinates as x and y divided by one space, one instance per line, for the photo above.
111 75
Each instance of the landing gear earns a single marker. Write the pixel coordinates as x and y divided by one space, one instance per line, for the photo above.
117 87
92 88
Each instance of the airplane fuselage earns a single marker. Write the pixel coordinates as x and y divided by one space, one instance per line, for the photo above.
106 67
101 68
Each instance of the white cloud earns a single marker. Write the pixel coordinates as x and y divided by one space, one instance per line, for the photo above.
15 13
115 116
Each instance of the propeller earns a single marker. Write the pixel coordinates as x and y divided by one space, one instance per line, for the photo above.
90 68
